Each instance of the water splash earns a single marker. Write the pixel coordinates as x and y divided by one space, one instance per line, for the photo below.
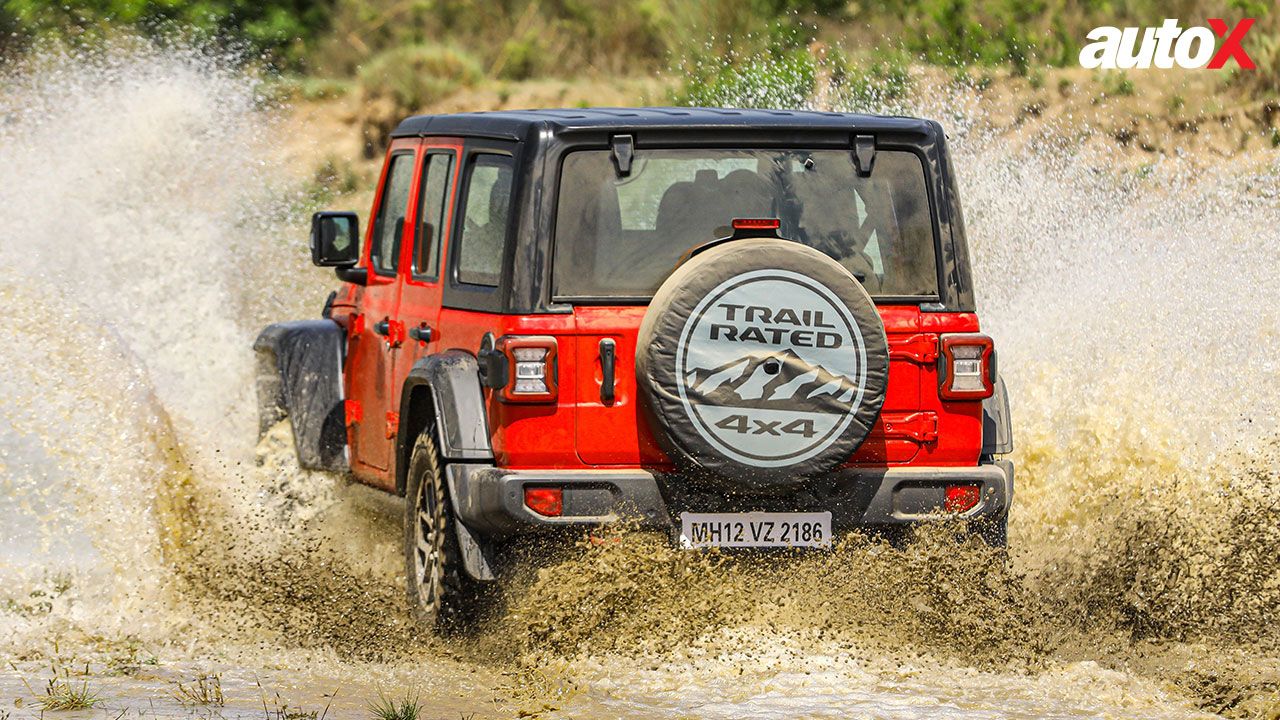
144 205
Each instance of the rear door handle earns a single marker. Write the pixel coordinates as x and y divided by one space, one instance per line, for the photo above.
608 358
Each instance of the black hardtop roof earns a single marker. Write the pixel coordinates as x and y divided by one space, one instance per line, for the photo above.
517 124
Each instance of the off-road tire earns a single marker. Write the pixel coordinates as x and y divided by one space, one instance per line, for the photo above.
441 594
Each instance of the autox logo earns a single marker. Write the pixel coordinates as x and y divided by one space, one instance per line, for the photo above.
772 367
1162 47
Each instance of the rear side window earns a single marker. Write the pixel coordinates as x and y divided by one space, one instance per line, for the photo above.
388 228
435 194
621 237
486 210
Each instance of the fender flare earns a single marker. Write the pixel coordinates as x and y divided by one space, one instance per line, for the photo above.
997 425
451 380
299 376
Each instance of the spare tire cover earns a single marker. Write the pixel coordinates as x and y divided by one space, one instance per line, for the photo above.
761 362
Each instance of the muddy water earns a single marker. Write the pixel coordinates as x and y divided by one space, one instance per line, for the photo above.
150 231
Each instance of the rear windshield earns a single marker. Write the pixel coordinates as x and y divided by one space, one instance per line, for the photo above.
619 237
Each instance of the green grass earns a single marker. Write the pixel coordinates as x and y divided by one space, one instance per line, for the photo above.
780 70
1116 84
388 708
780 73
62 694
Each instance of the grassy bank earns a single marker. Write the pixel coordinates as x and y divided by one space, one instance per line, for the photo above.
528 39
376 61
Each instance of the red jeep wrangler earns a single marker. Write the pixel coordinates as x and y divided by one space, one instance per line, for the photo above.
749 328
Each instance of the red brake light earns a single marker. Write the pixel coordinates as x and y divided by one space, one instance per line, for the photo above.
531 368
756 223
962 498
966 367
548 501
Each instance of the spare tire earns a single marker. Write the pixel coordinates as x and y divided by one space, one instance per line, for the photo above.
761 362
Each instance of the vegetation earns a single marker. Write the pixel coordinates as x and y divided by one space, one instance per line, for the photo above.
415 75
518 39
787 71
204 690
386 708
279 27
1117 83
60 693
418 51
275 708
783 73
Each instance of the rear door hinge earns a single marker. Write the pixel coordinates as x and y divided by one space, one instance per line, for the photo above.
353 411
921 348
864 153
623 149
921 427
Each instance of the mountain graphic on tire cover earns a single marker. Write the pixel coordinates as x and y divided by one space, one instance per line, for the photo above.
776 380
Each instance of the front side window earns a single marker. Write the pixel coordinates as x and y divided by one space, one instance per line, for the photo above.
435 194
388 228
486 210
621 236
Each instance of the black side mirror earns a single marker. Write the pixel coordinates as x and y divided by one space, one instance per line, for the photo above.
335 239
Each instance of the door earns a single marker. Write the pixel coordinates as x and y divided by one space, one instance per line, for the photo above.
419 310
376 336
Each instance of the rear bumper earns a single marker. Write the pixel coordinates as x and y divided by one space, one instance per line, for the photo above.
490 501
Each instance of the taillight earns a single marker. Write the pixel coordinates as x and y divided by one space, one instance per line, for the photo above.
966 367
962 498
531 364
756 223
548 501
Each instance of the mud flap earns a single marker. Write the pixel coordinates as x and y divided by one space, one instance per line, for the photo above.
475 554
306 387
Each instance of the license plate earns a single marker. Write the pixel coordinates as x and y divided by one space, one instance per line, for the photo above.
755 529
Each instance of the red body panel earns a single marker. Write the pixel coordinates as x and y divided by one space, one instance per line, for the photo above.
614 434
921 429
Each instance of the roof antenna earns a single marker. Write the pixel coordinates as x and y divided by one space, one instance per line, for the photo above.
864 153
623 148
